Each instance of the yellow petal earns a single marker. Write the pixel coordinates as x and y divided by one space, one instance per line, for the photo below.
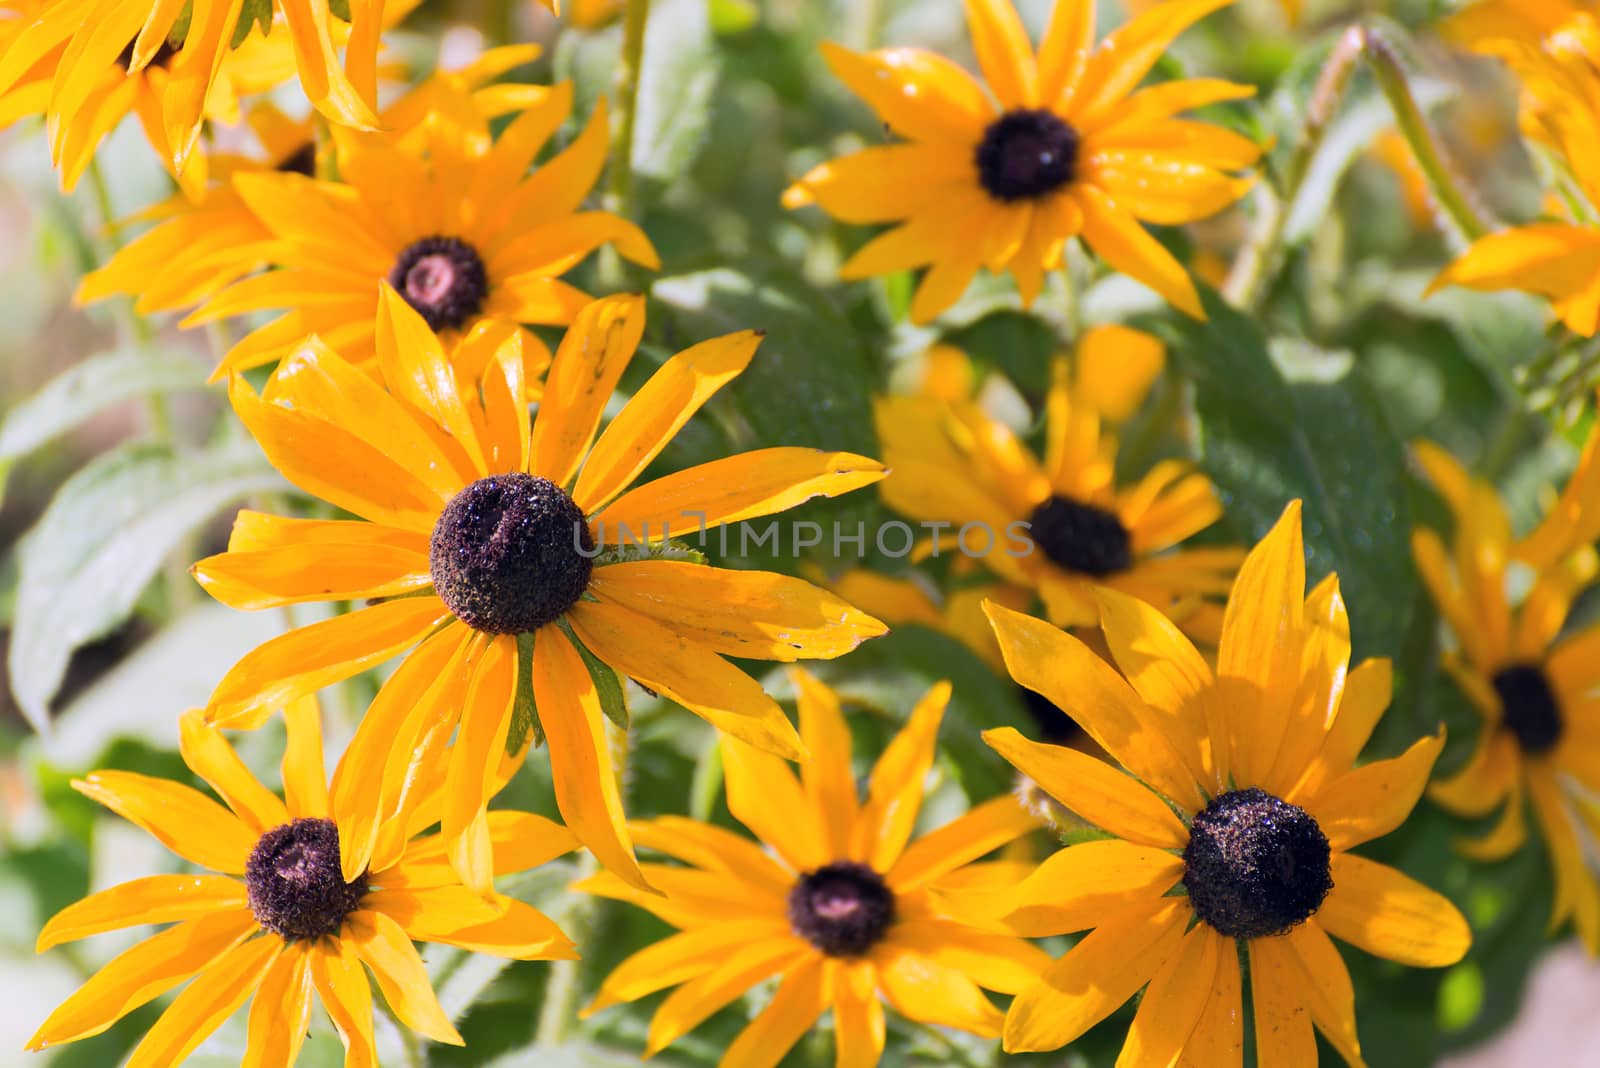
1391 915
209 756
1261 638
1373 800
519 932
764 796
342 986
153 899
1367 690
918 94
1096 976
737 488
1075 888
143 973
1115 365
993 961
521 841
1128 54
686 1007
305 782
1093 789
894 791
793 1010
1116 237
580 754
858 1022
415 368
1326 984
250 581
590 360
1283 1020
1003 52
216 993
1171 1007
751 614
679 668
385 949
308 658
182 819
1065 51
470 775
1051 662
1218 1037
680 958
280 1013
977 832
929 991
714 849
655 414
830 784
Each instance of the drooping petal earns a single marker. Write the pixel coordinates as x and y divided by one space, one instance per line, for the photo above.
695 677
751 614
1096 976
213 996
580 754
143 973
385 949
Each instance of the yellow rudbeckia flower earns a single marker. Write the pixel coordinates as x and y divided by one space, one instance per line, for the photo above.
1533 687
952 463
474 530
449 217
838 907
1061 145
86 63
204 242
282 920
1243 795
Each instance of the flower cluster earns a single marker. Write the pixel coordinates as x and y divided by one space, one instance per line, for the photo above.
463 397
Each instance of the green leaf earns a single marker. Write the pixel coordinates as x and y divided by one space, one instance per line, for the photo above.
810 381
677 83
524 713
1322 438
88 388
606 683
259 12
84 564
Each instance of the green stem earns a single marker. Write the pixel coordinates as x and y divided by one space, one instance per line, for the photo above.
619 189
1257 261
1467 217
579 921
867 24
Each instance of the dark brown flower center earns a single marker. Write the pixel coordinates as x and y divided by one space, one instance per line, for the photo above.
1026 153
443 278
1531 712
294 883
1255 866
1081 537
507 554
843 909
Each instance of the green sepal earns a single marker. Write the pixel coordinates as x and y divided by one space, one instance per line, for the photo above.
671 549
179 31
252 13
524 713
606 683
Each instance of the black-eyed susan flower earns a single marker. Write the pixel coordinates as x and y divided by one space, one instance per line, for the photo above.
1233 829
272 917
1534 687
450 218
87 63
202 243
482 541
837 908
1060 145
99 99
1557 257
1063 526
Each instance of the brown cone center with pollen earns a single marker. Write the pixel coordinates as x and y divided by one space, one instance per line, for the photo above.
843 909
1026 154
294 882
1530 709
443 278
1255 866
1081 537
507 554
